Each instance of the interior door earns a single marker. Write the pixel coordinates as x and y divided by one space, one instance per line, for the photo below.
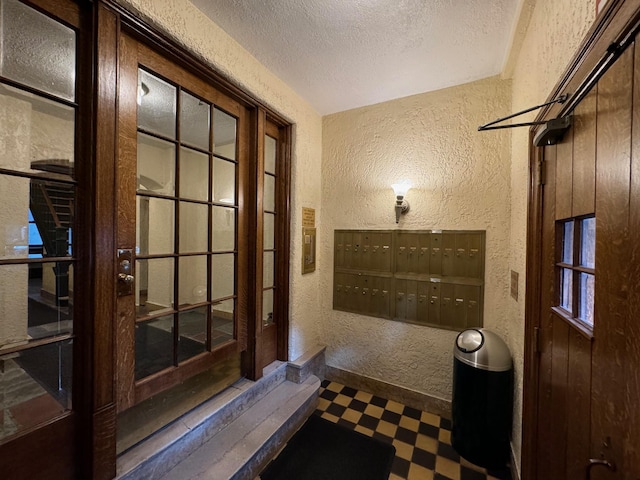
588 387
272 168
182 188
44 276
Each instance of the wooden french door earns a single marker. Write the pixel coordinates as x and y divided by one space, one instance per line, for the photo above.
271 327
586 419
183 195
45 132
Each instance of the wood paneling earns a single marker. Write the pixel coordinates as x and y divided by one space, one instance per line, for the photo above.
579 408
559 400
101 462
609 420
611 378
126 215
283 239
548 255
632 360
584 156
69 12
564 176
172 376
44 453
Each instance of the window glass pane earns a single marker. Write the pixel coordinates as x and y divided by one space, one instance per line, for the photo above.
269 193
36 50
587 297
269 235
156 165
35 386
222 276
156 105
222 321
154 346
52 205
38 134
267 307
224 229
193 333
35 301
224 134
194 175
567 243
192 280
194 121
154 285
566 289
50 299
154 225
588 247
269 154
224 182
194 227
14 216
267 270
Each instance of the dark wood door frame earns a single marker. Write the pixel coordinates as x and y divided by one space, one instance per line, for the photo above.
98 439
613 30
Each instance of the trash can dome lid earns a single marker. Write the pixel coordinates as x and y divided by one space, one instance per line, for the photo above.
470 341
483 349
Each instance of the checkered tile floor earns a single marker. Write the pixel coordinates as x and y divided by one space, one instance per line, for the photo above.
422 439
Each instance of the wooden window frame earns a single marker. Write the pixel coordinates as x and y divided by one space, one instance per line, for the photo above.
572 317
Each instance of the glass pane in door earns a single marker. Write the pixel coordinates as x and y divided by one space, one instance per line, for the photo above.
154 346
194 175
224 182
156 105
193 333
35 386
36 50
45 140
37 217
194 121
224 134
222 321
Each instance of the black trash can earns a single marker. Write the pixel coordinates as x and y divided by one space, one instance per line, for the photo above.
482 402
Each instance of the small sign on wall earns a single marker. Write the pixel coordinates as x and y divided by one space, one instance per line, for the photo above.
308 240
308 217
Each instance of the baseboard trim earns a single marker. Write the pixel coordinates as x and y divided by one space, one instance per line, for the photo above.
406 396
309 363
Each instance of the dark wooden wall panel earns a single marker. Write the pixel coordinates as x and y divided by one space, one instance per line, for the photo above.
584 156
613 173
559 399
41 454
545 425
126 208
632 363
564 176
579 411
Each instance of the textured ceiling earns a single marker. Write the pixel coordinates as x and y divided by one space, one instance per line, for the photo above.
343 54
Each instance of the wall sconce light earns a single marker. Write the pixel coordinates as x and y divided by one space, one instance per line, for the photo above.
402 206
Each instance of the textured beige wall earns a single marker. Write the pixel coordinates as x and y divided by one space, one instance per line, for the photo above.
182 21
460 181
554 33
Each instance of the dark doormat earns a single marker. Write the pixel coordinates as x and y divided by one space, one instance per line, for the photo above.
322 450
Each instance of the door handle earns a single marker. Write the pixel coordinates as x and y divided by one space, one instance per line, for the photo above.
596 461
127 279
